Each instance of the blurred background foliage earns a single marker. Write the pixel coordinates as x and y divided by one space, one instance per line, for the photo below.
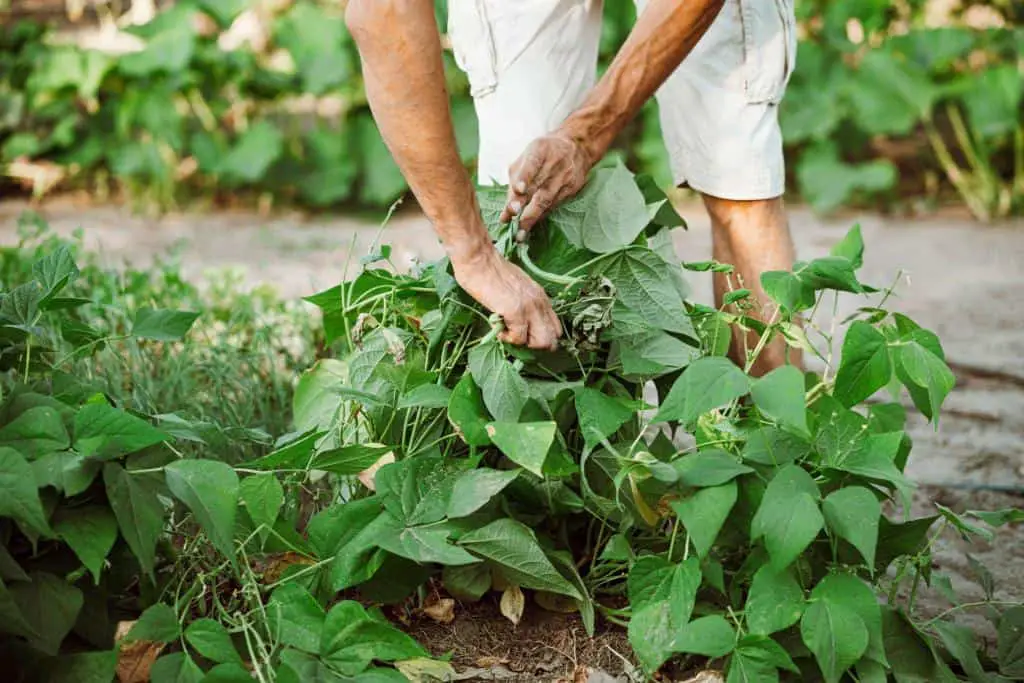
902 105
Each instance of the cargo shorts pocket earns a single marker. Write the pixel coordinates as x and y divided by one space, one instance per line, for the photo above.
472 40
769 48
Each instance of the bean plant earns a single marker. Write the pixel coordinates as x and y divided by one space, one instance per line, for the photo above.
637 475
741 518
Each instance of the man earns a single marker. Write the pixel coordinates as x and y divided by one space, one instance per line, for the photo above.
719 68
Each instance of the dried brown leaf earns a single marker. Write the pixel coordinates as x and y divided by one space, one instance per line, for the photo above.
513 602
442 611
135 658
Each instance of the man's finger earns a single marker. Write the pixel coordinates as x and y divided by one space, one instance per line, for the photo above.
555 322
539 205
517 198
545 327
544 336
542 341
514 204
516 334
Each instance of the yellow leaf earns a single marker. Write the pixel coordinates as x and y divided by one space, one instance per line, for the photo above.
423 670
512 604
553 602
649 515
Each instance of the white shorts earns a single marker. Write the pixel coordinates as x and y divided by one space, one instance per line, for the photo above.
530 63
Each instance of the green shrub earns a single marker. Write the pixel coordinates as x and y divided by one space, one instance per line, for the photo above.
185 114
635 474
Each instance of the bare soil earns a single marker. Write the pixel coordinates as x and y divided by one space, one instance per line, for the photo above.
544 646
962 279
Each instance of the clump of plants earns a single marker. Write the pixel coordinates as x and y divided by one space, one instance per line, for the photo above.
636 472
233 377
635 475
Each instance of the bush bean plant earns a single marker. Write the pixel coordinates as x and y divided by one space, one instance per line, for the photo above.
756 525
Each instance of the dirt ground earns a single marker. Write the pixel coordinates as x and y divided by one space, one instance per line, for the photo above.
962 279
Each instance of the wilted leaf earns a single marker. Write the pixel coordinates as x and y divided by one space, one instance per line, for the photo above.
134 657
423 670
367 477
512 604
441 610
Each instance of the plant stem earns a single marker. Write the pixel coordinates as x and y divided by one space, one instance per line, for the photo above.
74 353
28 356
831 337
523 252
970 605
913 589
761 342
954 173
672 541
894 588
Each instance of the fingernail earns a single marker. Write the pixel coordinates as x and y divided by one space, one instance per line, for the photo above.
521 235
516 207
521 187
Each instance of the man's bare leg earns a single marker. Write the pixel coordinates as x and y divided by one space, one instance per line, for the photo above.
753 236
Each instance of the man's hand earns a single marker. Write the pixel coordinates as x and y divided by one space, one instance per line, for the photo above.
400 47
552 169
506 290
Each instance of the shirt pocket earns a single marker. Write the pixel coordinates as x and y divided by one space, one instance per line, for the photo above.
472 40
769 48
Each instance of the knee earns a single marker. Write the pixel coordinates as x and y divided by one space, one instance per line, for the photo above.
738 214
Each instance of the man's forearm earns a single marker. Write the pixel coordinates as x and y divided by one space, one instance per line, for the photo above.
664 34
400 48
